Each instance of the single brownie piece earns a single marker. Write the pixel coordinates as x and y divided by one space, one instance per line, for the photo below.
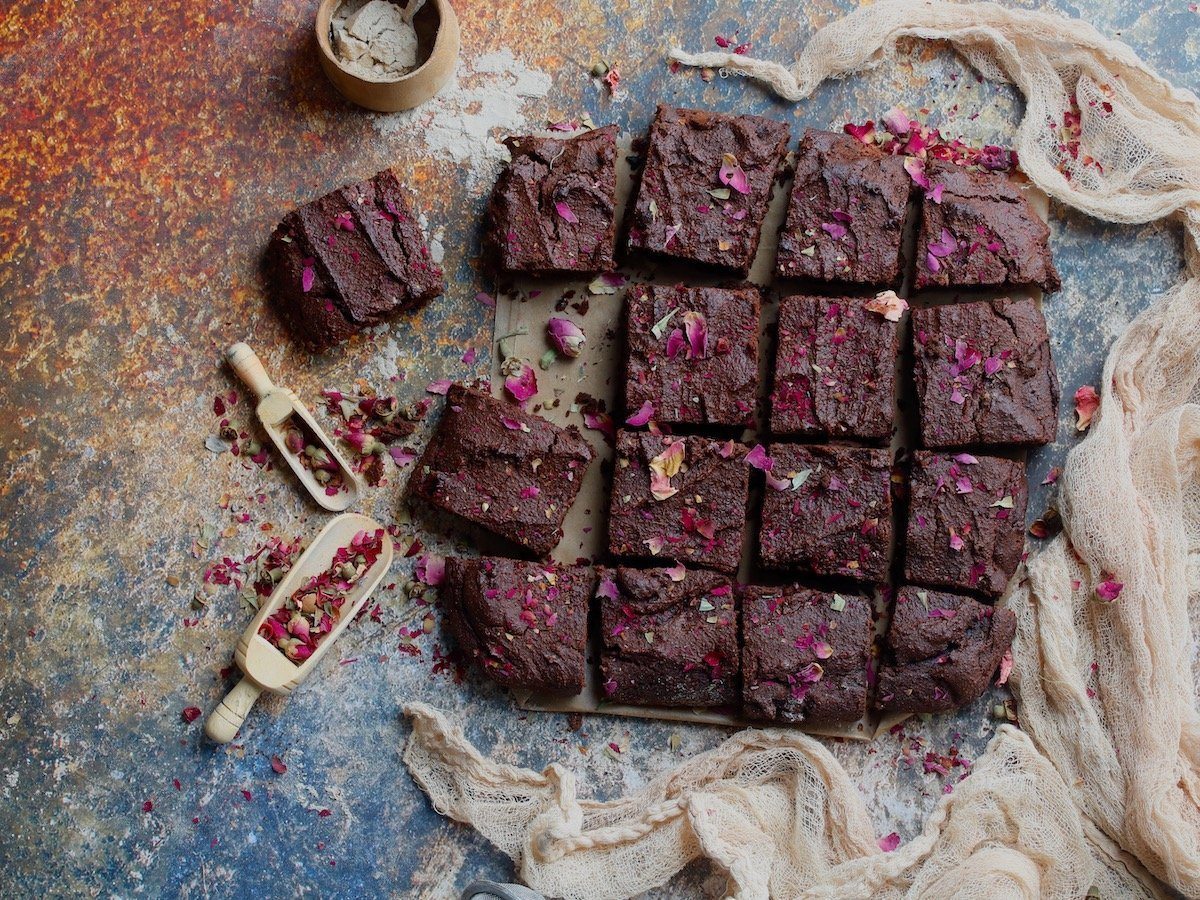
524 623
845 217
349 260
835 369
942 651
554 207
980 229
669 637
680 499
510 472
984 374
966 521
804 655
828 511
705 186
692 354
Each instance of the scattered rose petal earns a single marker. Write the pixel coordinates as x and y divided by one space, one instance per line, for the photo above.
308 275
528 493
956 542
602 422
992 365
565 336
643 415
560 206
1052 475
401 456
608 589
943 247
655 545
889 842
1109 590
757 458
1006 664
431 569
835 230
726 449
148 806
896 121
966 459
915 168
864 132
278 765
676 343
441 386
1087 401
695 326
521 380
677 572
888 305
468 358
731 174
190 714
939 613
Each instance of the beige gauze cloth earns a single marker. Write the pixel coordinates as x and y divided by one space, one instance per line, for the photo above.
1105 777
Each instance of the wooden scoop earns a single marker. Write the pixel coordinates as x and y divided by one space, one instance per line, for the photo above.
264 665
275 406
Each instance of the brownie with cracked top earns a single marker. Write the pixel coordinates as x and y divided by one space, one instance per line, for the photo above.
705 186
966 521
845 217
678 498
835 370
349 260
669 637
523 623
827 510
692 354
553 209
978 228
985 374
941 651
507 471
804 655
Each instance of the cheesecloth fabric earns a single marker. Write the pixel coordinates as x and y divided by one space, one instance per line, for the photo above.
1103 783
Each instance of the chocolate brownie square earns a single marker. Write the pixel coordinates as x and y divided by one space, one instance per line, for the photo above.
835 369
669 637
349 260
677 498
553 209
523 623
510 472
692 354
978 228
985 374
827 510
966 522
804 655
941 651
845 217
705 186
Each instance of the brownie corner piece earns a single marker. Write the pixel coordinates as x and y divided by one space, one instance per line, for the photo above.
985 374
827 511
523 623
669 637
966 522
511 473
678 498
941 650
980 229
705 186
846 213
348 260
692 354
835 370
553 208
804 655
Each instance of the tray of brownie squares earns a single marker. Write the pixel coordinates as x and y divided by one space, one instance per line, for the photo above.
782 479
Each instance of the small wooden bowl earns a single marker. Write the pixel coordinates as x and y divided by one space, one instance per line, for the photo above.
437 48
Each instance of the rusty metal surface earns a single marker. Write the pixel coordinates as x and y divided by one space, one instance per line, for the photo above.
146 150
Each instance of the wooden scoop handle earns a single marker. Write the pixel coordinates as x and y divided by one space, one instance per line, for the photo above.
249 368
223 722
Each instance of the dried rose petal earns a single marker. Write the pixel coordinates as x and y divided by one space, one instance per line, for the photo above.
676 343
565 336
441 386
431 569
897 121
677 572
602 422
1006 664
915 168
731 174
939 613
278 765
190 714
864 132
643 415
608 589
1109 590
757 458
308 274
992 365
695 326
888 305
835 230
670 461
945 246
521 380
966 459
956 542
1052 475
561 207
889 842
1087 401
401 456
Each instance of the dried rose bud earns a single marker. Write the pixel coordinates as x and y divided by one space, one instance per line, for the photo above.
317 455
322 476
252 447
385 408
565 336
294 440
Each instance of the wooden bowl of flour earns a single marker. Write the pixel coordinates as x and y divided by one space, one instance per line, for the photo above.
366 80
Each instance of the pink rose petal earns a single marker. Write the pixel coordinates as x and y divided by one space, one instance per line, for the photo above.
642 416
560 206
731 174
1087 401
521 383
696 328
